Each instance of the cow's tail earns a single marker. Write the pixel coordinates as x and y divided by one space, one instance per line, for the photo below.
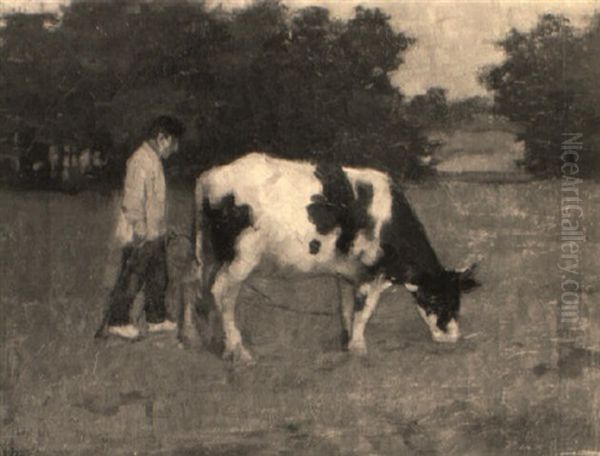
199 226
193 285
198 317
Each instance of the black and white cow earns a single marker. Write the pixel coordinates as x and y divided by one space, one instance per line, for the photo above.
298 216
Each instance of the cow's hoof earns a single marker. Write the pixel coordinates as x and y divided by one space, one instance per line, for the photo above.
357 348
443 338
238 356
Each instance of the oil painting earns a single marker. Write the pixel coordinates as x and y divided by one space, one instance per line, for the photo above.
299 227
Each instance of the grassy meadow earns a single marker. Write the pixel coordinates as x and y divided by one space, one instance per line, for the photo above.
511 386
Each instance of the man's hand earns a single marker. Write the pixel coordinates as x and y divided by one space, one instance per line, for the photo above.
139 233
138 240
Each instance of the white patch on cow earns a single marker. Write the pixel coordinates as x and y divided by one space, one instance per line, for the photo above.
368 250
452 330
372 292
452 333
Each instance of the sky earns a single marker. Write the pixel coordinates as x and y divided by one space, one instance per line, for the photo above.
455 39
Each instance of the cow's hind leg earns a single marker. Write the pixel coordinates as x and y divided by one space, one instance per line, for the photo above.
367 297
227 287
199 319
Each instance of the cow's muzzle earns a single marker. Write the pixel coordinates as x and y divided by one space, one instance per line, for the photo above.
452 333
450 336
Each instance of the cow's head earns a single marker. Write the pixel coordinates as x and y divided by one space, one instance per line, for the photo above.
438 301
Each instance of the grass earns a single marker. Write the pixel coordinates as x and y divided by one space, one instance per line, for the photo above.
503 390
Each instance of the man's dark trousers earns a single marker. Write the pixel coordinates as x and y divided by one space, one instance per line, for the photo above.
142 264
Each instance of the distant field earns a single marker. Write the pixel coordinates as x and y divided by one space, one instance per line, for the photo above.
502 390
478 151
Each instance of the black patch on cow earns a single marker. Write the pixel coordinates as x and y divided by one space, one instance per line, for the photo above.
359 302
225 221
408 254
409 257
314 246
337 206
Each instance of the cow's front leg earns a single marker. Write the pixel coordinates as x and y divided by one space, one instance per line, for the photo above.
366 299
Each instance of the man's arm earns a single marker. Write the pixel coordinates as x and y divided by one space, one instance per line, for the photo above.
134 199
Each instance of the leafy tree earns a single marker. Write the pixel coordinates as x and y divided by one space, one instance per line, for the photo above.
300 84
31 83
430 109
465 110
373 47
547 83
142 59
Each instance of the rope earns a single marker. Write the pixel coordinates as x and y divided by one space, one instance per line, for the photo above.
287 309
267 301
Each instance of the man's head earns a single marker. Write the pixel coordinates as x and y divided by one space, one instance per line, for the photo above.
163 135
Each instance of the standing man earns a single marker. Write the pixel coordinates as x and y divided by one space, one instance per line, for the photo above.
142 230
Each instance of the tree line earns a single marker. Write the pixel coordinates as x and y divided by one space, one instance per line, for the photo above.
300 84
296 83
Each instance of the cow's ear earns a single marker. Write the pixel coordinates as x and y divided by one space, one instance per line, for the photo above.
466 278
411 287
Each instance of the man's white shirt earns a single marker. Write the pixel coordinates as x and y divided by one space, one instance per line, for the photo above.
143 209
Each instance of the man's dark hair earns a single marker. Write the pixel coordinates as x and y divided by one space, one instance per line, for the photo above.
167 125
